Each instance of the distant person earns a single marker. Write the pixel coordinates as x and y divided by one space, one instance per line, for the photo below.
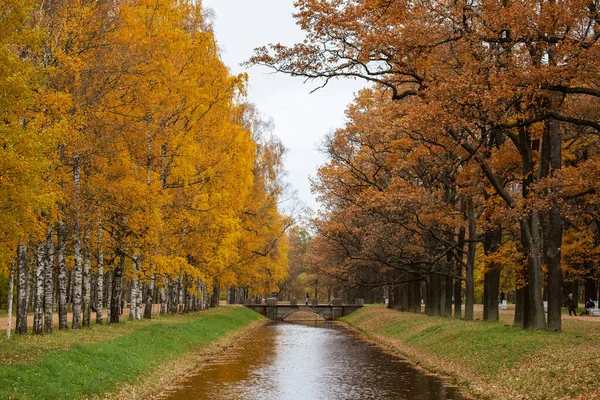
571 305
589 305
306 298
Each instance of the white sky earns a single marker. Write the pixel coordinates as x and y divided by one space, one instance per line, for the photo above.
301 119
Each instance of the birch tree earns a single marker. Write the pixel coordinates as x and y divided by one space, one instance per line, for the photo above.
49 280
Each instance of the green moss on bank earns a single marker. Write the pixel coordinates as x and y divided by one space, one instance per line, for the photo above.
127 351
491 360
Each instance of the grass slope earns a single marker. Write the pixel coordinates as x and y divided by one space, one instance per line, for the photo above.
106 356
491 360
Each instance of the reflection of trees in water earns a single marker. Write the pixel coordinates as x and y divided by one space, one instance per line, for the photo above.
311 360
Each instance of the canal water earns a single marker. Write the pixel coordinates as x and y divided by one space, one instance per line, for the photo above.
322 361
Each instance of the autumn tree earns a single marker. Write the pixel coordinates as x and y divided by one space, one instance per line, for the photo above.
509 69
127 140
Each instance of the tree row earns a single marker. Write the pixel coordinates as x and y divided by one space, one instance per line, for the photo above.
131 166
480 131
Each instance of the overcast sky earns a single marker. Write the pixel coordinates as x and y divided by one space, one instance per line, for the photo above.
301 119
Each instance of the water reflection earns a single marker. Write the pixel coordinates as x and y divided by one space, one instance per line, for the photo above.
299 361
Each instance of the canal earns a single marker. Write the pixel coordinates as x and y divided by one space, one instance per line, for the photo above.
309 362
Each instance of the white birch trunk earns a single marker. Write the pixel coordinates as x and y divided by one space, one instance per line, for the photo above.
76 279
138 303
134 289
30 283
108 297
11 289
21 323
203 295
62 278
100 280
181 295
38 299
87 264
49 281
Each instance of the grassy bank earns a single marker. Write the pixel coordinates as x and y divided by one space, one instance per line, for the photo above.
490 360
102 359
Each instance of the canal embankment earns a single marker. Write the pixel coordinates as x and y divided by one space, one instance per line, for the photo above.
491 359
133 359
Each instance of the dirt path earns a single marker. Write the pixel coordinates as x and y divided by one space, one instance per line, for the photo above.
478 310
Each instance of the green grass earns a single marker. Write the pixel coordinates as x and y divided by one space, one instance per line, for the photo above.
488 347
86 369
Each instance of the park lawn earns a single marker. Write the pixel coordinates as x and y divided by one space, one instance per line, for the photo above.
491 359
102 359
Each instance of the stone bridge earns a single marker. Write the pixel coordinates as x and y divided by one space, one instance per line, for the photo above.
279 312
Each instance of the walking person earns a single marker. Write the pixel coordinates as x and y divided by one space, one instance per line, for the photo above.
306 298
571 305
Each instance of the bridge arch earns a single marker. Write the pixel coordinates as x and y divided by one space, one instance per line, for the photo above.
279 312
302 315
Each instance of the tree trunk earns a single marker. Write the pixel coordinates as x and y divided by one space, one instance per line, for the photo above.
100 279
492 239
534 304
203 297
163 299
395 300
180 295
470 297
186 295
553 262
133 297
231 294
62 278
87 287
519 320
38 296
21 323
134 289
214 300
138 302
432 305
149 298
172 296
109 280
555 230
458 273
48 280
198 305
414 294
9 308
403 296
449 292
117 289
76 278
